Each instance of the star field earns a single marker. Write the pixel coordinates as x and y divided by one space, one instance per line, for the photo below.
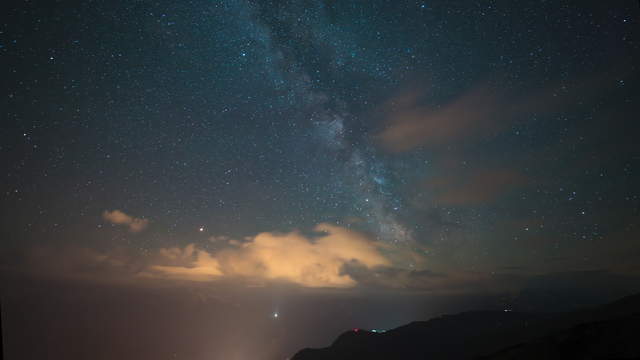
217 113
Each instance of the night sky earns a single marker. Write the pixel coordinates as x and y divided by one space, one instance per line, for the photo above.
241 179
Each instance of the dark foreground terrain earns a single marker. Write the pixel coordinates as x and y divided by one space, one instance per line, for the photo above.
610 331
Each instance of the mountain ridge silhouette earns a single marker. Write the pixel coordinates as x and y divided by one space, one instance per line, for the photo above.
603 332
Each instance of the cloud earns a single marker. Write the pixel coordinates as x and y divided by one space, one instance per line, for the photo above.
338 258
483 111
219 239
307 261
120 218
184 264
329 257
410 124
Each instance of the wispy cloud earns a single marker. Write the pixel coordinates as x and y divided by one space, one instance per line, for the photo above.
120 218
409 121
410 124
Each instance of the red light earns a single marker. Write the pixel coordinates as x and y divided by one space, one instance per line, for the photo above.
356 330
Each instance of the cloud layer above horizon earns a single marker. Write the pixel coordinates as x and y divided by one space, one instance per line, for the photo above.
318 260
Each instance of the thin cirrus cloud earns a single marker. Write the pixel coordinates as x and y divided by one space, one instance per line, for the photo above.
482 111
118 217
409 124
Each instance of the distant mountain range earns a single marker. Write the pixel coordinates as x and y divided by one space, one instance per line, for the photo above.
610 331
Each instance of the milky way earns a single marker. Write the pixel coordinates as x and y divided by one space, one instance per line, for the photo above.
351 161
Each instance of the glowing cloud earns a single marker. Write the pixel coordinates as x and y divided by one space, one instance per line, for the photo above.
316 261
120 218
312 262
185 264
324 259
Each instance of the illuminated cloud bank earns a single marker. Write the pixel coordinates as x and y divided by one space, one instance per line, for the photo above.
329 256
311 261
